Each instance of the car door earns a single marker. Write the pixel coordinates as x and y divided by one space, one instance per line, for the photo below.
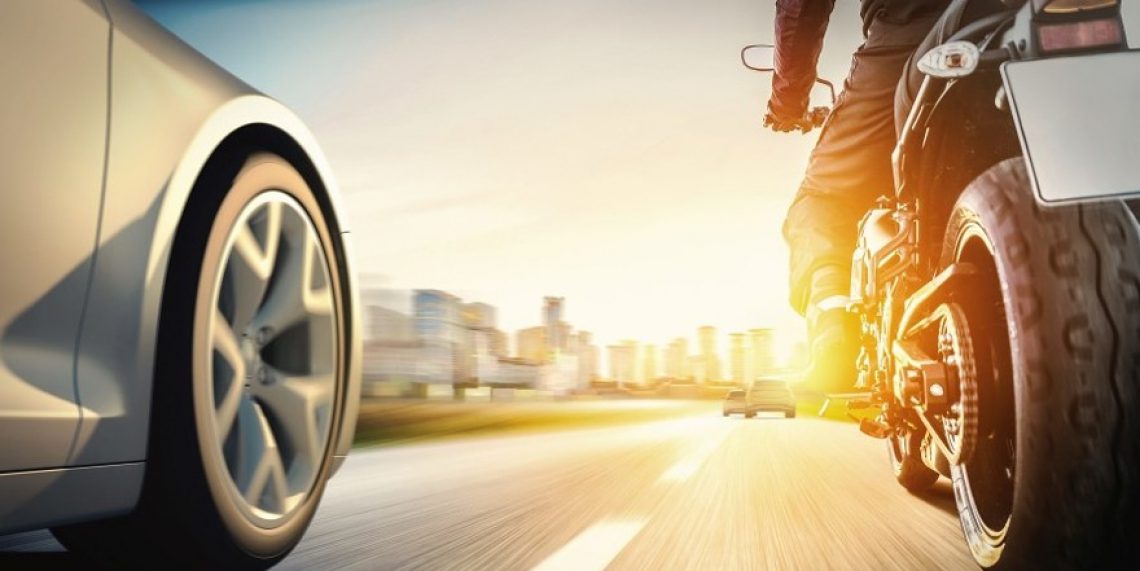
53 133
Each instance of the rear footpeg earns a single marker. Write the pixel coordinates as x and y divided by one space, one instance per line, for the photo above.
874 428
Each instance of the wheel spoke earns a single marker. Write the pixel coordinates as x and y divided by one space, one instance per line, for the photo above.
300 289
260 473
251 265
303 404
227 347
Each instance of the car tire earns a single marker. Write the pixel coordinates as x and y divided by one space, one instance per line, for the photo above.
238 491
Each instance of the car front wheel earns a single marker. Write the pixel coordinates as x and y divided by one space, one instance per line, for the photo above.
248 387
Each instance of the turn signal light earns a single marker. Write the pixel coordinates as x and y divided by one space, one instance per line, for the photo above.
1081 35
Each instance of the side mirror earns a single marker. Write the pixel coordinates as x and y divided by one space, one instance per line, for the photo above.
762 57
759 57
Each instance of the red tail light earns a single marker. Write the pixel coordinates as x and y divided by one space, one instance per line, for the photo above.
1081 35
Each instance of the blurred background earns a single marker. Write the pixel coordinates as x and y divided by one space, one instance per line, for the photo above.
569 197
566 217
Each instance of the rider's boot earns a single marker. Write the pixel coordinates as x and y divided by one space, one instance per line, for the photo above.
833 333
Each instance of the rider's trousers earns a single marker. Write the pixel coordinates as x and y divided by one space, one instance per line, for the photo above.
851 164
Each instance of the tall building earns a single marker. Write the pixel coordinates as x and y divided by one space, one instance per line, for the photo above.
478 315
532 344
738 358
436 314
445 343
763 351
649 363
623 362
587 359
710 360
499 344
697 369
558 331
677 360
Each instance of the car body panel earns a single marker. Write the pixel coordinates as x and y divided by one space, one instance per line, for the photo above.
168 111
31 500
172 108
734 402
51 171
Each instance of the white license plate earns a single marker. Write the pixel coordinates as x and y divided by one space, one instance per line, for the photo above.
1078 119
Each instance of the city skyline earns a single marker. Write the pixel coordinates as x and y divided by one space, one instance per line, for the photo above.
441 327
780 345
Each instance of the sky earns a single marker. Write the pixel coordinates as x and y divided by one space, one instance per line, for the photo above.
607 151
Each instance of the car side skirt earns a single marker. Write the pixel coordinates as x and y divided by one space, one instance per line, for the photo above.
45 498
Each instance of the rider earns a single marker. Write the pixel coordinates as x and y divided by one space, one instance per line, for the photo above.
850 166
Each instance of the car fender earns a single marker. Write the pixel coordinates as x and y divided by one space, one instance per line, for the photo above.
171 109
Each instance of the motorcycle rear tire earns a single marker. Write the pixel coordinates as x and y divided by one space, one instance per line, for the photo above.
1065 291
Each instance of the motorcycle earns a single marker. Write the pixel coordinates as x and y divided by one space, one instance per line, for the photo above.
998 285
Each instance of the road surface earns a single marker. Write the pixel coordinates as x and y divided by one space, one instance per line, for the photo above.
695 492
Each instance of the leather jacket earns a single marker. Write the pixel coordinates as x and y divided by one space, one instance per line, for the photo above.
800 27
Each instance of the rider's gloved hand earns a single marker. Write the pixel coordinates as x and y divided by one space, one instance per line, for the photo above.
782 122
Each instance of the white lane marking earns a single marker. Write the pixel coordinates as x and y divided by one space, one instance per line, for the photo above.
594 548
685 469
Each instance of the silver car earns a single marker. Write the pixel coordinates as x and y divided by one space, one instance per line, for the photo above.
179 341
771 395
734 402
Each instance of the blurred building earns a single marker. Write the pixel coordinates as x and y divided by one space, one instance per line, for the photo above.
442 340
446 343
623 363
388 324
500 344
587 359
478 315
560 375
738 358
532 345
649 364
513 373
677 360
697 369
764 359
710 361
557 330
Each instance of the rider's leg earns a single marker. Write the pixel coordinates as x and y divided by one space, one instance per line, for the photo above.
849 168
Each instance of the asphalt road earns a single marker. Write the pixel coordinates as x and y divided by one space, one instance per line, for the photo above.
695 492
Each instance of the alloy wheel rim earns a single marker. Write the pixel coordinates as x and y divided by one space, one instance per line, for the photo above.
272 334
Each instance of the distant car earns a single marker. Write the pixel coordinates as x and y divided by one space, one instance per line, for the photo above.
179 333
770 395
735 402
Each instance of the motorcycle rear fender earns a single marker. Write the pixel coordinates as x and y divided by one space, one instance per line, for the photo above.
1076 121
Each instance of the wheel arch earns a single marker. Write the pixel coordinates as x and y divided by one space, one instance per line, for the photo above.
237 129
117 353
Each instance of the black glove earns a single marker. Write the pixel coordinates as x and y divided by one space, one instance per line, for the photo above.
782 123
